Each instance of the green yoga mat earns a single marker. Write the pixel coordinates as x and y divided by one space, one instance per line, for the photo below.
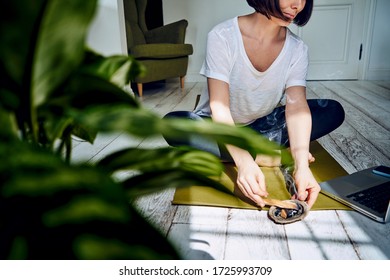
324 168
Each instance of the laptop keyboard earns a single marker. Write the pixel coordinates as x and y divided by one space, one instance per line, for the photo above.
376 198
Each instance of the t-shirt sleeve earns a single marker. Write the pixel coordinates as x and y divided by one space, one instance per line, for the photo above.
298 68
217 61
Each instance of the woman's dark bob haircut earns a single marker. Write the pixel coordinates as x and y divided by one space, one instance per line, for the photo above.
271 8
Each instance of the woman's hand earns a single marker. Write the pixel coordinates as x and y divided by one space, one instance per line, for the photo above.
307 186
251 181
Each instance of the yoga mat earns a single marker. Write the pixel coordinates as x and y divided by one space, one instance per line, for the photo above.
324 168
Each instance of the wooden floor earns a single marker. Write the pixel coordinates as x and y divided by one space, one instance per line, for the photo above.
220 233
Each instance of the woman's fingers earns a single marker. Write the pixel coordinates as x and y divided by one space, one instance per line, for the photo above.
252 196
312 195
311 158
308 187
253 186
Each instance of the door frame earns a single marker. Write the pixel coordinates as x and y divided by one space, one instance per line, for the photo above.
367 38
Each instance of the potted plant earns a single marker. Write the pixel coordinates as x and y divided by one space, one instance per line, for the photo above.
51 88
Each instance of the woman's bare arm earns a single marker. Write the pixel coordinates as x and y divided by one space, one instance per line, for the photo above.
250 179
298 118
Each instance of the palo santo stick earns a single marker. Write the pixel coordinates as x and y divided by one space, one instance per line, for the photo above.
280 203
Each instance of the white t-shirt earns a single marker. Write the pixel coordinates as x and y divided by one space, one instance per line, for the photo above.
253 94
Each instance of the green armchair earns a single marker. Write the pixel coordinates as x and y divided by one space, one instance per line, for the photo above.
161 50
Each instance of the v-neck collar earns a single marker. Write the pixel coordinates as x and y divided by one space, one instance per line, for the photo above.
245 55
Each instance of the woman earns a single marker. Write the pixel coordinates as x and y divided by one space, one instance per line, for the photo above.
252 63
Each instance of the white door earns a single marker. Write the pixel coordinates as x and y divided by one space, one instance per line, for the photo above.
334 35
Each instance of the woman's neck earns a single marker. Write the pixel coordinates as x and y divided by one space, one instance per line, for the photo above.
261 35
260 28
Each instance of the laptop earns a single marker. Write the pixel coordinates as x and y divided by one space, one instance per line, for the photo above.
366 191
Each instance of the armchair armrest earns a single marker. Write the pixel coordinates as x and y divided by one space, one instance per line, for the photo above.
173 33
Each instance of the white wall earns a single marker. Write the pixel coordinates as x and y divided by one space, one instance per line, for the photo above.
106 34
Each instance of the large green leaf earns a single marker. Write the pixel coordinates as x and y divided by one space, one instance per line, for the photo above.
8 126
165 168
81 91
117 69
51 210
148 160
33 172
19 20
86 90
43 42
60 44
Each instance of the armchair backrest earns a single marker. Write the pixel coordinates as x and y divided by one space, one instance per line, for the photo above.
135 21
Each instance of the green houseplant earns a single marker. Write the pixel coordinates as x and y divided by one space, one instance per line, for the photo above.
51 88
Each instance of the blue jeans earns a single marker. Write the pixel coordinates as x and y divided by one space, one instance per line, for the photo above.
327 115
